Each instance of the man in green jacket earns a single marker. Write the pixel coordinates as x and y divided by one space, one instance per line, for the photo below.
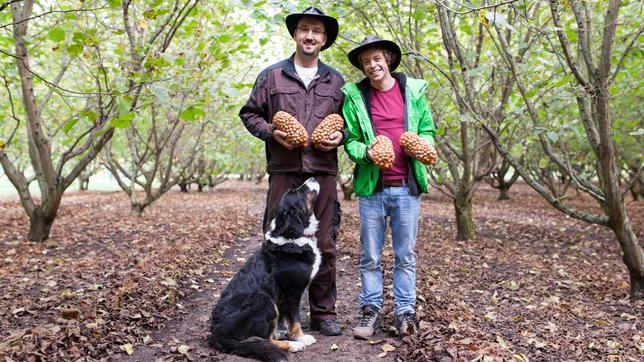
388 104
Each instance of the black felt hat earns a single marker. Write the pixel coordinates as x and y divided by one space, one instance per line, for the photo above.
373 41
330 23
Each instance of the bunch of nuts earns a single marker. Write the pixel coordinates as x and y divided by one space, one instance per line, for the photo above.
382 152
416 146
331 123
295 133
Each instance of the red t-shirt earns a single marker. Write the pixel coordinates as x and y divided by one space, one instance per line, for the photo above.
388 115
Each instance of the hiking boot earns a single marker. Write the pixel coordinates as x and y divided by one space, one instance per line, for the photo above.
406 323
369 322
327 327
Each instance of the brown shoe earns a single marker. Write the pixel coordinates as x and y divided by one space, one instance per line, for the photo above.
406 324
327 327
369 322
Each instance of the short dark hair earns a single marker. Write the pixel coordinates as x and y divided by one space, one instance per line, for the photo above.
390 57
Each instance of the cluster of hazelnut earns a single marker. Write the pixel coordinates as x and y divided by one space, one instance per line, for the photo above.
417 147
296 133
382 152
330 124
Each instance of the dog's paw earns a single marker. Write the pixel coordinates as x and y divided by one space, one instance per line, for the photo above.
306 339
296 346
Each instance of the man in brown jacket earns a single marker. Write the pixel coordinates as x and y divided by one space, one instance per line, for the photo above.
309 90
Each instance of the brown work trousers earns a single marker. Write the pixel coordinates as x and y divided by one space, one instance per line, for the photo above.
322 290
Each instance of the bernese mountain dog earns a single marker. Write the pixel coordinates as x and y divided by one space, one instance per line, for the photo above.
269 287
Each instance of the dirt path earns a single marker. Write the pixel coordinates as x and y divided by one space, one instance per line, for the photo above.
191 329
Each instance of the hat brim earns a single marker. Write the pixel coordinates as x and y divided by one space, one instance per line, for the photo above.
330 26
354 54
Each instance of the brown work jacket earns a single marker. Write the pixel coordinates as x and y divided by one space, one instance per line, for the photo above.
279 88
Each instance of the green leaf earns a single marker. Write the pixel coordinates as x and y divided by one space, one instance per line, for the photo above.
543 163
56 34
69 125
158 62
191 113
531 93
114 3
160 93
179 61
240 28
75 49
90 115
78 37
151 14
123 105
122 121
499 18
639 132
553 136
563 81
129 116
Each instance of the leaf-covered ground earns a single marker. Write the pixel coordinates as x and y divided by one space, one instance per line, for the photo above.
533 286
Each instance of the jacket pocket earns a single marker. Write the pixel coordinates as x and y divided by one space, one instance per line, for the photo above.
285 99
326 101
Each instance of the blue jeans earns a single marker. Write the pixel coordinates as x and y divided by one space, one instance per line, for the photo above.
403 210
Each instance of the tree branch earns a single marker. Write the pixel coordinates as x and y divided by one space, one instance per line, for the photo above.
13 112
7 3
472 9
47 13
625 53
564 45
556 202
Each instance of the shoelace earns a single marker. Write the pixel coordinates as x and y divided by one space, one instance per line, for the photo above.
408 317
366 317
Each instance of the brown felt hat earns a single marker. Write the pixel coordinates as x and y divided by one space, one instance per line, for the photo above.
374 41
330 23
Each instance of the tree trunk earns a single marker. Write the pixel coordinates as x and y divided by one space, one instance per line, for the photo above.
347 192
637 188
39 225
199 187
504 192
83 183
183 187
137 209
464 223
42 218
633 257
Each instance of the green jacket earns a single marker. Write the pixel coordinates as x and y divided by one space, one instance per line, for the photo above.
367 178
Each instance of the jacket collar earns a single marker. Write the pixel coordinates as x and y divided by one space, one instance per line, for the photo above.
401 78
323 69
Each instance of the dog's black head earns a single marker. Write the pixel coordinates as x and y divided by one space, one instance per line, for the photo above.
293 216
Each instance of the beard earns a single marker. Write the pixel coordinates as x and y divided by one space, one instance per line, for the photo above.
309 51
